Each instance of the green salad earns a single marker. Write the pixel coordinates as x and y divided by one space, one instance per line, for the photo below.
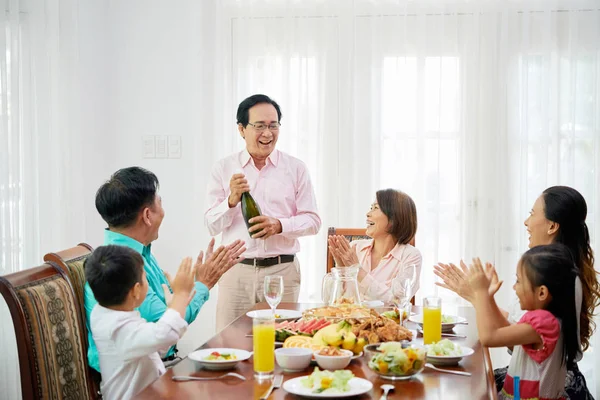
327 381
394 360
447 319
444 348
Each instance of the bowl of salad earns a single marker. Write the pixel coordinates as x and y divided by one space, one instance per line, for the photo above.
445 352
391 360
328 384
219 359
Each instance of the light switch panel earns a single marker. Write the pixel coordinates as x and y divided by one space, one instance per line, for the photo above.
162 150
148 148
174 146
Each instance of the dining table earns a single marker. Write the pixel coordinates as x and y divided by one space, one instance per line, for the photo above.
429 384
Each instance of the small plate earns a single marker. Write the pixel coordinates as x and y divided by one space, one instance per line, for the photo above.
358 386
285 315
217 365
446 326
373 303
450 360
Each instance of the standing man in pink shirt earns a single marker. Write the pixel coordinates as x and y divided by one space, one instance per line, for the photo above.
281 186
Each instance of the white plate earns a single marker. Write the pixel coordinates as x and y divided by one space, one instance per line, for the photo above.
446 327
450 360
285 314
373 303
218 365
358 386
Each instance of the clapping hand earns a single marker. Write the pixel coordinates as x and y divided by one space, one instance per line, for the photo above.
343 254
218 262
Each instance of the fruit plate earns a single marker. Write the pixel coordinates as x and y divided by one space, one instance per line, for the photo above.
282 315
452 321
217 365
450 360
358 386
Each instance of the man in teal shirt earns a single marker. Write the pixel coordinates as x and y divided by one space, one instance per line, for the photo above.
132 208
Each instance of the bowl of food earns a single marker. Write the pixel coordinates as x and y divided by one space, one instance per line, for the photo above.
445 353
448 321
219 359
332 358
293 359
393 361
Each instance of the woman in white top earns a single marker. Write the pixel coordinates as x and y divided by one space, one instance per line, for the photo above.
557 216
392 225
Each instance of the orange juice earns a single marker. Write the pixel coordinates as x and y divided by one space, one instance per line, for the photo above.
432 325
264 347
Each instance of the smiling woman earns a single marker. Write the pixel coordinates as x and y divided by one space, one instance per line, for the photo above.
392 224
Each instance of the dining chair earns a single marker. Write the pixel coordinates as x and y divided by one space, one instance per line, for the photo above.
351 234
71 262
48 329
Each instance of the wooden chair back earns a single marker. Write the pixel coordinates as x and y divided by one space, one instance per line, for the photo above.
49 331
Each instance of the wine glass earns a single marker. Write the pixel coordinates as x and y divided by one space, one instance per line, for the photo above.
402 285
273 290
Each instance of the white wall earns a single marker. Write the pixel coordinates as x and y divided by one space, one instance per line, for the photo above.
154 58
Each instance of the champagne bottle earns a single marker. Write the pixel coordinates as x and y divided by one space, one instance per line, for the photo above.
249 208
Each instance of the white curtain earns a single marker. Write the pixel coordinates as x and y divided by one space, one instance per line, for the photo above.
42 157
472 108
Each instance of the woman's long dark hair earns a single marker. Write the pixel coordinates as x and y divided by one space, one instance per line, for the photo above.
566 206
553 266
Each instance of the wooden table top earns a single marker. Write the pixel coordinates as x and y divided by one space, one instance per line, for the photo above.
427 385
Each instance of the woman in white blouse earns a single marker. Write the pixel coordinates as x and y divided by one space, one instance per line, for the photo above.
392 225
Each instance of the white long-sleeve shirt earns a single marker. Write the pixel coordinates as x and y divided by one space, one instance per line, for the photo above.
128 348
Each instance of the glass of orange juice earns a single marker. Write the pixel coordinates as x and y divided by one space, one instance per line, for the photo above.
263 333
432 320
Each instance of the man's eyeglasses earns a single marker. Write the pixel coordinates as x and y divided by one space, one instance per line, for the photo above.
274 127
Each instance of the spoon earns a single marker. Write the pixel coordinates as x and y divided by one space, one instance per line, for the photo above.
448 371
386 389
206 378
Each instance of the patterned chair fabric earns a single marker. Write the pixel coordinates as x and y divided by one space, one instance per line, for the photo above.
52 357
71 261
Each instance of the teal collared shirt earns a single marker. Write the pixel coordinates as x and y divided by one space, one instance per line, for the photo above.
155 305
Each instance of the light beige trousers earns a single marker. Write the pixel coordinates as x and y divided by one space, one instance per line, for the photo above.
242 287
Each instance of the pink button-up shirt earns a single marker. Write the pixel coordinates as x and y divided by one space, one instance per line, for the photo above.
282 189
376 285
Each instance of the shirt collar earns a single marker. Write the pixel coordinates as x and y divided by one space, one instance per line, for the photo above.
112 237
396 251
245 157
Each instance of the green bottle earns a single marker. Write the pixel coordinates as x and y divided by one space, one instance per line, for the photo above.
249 208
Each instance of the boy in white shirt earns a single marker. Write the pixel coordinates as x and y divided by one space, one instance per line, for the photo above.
127 344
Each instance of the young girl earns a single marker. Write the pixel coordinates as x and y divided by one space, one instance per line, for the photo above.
545 338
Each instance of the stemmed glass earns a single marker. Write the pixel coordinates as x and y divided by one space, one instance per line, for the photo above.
273 290
402 286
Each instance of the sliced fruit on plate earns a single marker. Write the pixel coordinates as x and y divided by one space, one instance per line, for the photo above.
304 342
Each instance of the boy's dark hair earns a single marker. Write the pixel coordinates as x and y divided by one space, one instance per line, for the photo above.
120 199
111 272
243 113
401 212
554 267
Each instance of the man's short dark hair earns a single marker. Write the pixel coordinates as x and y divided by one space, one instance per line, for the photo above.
243 113
122 197
111 272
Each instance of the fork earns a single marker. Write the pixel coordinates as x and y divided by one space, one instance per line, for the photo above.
448 371
207 378
275 385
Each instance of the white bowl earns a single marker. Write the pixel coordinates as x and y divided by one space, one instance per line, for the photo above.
450 360
293 359
217 365
334 362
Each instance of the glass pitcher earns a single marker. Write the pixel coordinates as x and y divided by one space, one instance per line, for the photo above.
340 286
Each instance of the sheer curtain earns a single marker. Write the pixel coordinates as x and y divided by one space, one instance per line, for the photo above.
41 162
471 107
